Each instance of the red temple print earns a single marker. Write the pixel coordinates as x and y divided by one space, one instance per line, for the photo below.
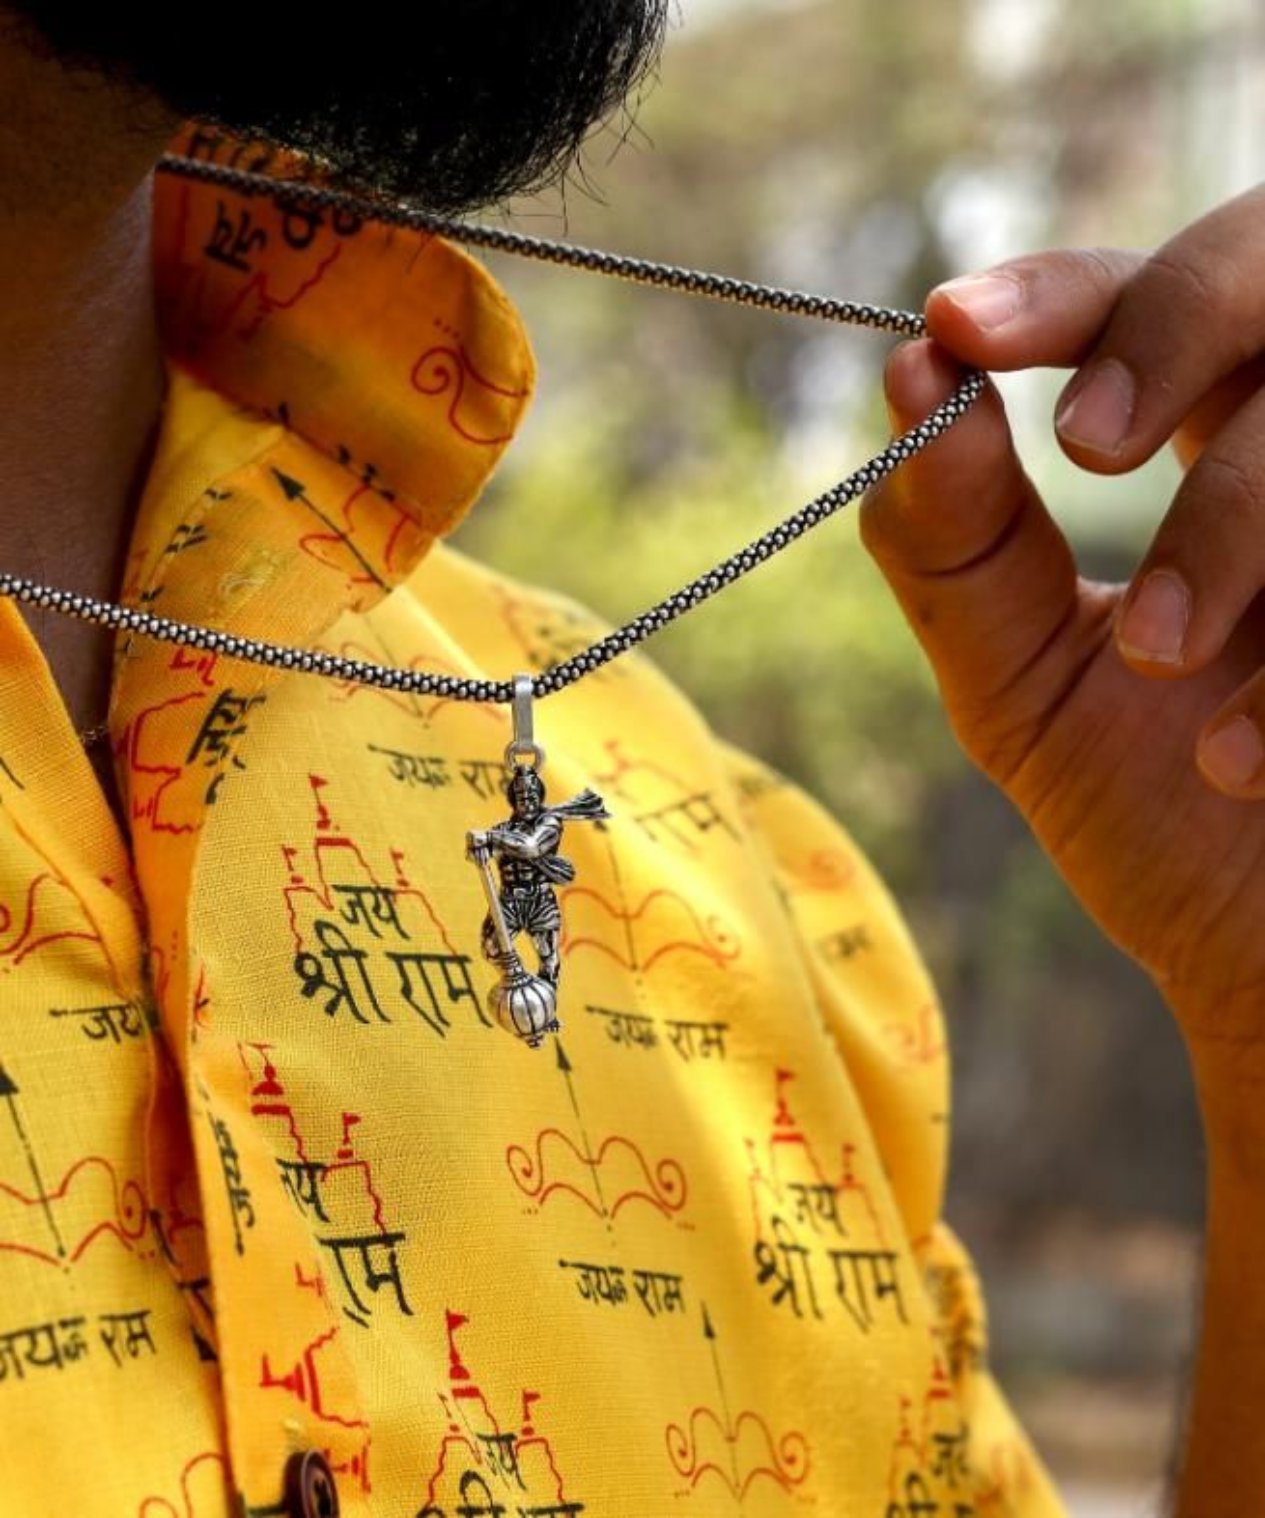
931 1459
819 1242
370 947
337 1195
204 723
486 1463
301 1381
787 1173
332 874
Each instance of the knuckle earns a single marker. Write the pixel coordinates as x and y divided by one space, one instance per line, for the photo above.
1185 281
1104 268
1104 271
1175 295
998 750
1234 487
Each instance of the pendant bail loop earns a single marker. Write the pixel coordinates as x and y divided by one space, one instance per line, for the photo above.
523 748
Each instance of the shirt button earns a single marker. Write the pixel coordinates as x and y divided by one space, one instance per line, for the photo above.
310 1491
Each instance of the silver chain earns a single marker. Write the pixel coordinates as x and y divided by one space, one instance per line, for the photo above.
302 197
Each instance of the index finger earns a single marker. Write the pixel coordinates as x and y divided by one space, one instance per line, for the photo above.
1151 336
1043 311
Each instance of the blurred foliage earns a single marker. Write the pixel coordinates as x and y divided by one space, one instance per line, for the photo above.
871 148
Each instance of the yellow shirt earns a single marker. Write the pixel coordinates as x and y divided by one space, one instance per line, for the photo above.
270 1180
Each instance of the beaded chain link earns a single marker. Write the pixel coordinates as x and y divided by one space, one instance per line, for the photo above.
301 195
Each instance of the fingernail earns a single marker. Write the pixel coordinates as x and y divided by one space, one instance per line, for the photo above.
989 300
1234 755
1155 619
1098 414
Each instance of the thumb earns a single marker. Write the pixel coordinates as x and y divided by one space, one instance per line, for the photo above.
980 568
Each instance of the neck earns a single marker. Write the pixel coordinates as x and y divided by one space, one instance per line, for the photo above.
80 388
80 364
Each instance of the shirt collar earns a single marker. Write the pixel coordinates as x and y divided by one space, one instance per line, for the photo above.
390 351
338 393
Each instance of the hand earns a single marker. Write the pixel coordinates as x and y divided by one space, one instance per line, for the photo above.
1126 728
478 847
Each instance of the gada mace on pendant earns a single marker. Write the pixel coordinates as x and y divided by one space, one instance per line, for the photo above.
524 850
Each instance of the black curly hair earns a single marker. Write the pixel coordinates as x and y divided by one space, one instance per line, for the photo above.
448 105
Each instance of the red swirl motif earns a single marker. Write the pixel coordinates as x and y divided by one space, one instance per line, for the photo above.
157 1506
446 370
709 936
127 1220
665 1185
783 1461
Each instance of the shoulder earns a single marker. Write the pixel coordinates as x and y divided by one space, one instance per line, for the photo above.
872 987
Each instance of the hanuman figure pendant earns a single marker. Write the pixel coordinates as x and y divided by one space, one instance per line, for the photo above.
521 896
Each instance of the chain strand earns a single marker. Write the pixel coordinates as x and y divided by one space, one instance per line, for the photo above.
305 196
302 195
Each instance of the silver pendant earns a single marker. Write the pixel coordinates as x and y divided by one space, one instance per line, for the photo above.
520 867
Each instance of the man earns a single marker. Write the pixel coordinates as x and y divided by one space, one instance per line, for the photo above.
286 1225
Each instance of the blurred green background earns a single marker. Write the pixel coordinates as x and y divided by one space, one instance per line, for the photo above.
870 148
